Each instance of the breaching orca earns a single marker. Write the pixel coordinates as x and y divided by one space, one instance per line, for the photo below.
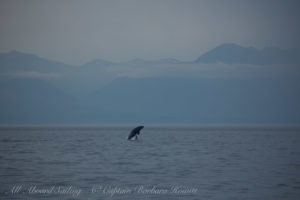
135 132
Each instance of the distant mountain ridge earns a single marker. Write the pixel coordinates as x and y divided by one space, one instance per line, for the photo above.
98 62
34 90
234 54
18 61
227 53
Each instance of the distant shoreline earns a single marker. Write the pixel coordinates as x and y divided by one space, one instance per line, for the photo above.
149 126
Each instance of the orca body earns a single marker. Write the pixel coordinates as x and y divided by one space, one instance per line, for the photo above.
135 132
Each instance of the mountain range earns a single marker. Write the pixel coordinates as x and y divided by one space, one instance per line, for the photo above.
228 85
235 54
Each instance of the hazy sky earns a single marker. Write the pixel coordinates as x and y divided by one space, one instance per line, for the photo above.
75 32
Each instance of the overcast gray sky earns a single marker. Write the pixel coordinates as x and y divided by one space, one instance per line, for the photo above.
77 31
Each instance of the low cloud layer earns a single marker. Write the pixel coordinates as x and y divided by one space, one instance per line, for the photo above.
218 70
32 74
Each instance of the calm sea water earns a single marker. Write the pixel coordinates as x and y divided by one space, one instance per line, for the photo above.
165 163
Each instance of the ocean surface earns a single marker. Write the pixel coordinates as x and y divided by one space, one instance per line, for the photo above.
166 162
